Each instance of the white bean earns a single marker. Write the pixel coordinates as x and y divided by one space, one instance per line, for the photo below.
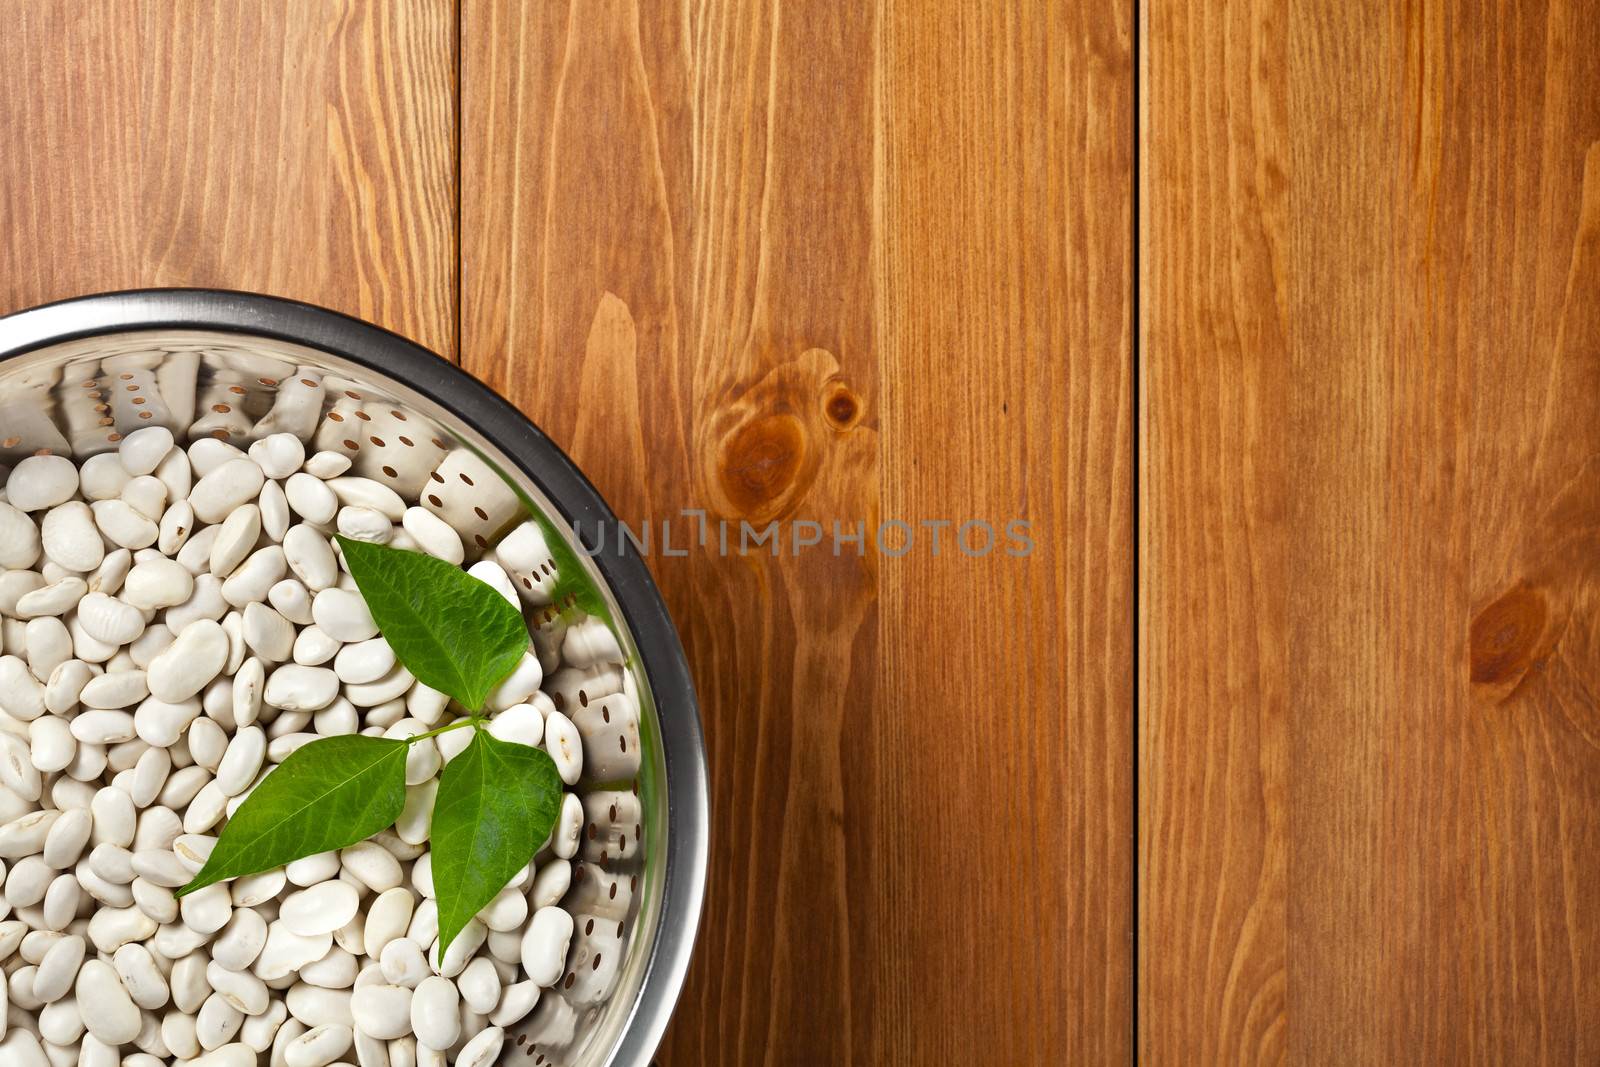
114 927
19 539
286 952
294 687
102 477
115 819
480 985
112 862
336 970
275 515
48 644
254 889
177 1033
403 962
327 464
103 726
158 827
40 482
311 498
241 989
343 615
319 1046
315 1006
364 661
242 761
234 540
208 743
365 524
125 525
160 723
278 455
207 910
461 950
147 495
52 745
149 776
387 918
235 482
259 1031
206 809
255 577
218 1022
188 982
176 526
190 664
321 909
364 492
382 1011
483 1049
564 839
115 1018
312 647
241 941
61 902
66 839
372 866
193 850
518 686
143 450
269 635
436 1012
544 945
145 983
205 602
161 867
108 619
25 835
515 1003
58 968
416 818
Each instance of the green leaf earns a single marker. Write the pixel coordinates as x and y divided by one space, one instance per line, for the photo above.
328 794
452 631
496 805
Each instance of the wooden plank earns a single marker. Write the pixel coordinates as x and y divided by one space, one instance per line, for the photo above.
1368 566
839 264
304 148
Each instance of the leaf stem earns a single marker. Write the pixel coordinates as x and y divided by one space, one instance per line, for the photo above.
475 721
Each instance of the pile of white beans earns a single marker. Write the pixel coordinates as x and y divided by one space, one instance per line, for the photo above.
175 622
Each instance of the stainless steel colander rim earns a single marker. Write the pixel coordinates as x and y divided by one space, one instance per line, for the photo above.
539 459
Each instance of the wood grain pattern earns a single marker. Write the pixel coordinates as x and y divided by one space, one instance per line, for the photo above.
818 263
833 263
1368 557
300 147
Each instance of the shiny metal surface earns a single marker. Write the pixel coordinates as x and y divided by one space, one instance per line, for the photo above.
76 376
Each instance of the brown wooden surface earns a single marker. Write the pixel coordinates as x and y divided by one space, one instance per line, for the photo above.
813 262
822 263
304 148
853 263
1370 559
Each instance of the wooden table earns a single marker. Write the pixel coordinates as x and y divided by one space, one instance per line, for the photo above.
794 263
818 262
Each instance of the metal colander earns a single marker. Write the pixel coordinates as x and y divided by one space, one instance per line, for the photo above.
77 376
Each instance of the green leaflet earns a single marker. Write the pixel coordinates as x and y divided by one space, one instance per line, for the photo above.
328 794
450 630
497 803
